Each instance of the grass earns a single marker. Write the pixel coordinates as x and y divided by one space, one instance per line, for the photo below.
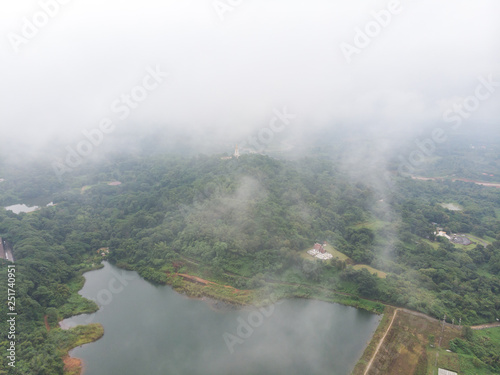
477 239
65 340
77 336
213 290
360 367
337 254
380 274
318 293
373 225
445 360
434 244
466 247
291 286
406 348
469 365
411 347
492 334
85 188
77 305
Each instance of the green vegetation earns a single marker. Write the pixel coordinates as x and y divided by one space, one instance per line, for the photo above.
360 367
481 348
77 336
242 226
372 270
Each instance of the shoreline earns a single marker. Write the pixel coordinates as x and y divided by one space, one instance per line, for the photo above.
72 365
222 304
85 334
75 365
195 287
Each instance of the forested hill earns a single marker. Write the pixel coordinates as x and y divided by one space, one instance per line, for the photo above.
248 221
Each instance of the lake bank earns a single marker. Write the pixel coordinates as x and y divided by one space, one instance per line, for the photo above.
275 338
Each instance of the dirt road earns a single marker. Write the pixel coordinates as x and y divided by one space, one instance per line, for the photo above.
485 326
490 184
380 343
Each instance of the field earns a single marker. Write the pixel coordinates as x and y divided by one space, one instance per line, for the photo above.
380 274
407 347
373 225
475 241
337 254
329 248
418 345
484 242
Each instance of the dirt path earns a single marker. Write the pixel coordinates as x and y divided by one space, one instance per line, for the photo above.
485 326
194 278
380 343
320 288
490 184
199 280
46 321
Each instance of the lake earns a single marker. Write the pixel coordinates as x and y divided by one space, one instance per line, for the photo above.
154 330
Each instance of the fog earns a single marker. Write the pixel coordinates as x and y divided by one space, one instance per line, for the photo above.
230 64
362 80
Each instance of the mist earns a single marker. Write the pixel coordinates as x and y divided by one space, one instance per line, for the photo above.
348 98
228 67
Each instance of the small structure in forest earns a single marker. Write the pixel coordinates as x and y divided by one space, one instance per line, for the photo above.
442 371
456 238
319 251
103 251
460 239
236 154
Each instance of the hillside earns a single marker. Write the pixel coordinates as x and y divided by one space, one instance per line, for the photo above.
244 223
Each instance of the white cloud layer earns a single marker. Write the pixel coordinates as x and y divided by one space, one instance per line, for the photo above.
226 76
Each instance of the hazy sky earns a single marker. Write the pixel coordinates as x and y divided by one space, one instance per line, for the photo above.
229 68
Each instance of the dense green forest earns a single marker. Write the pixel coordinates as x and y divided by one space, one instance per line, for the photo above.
248 221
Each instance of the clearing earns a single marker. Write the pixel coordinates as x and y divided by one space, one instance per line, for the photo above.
411 346
379 273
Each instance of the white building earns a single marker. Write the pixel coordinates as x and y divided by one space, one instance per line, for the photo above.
446 372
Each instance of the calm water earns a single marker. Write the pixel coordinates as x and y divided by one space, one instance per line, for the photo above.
154 330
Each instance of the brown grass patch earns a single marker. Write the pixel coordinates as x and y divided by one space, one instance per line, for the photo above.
72 366
406 348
